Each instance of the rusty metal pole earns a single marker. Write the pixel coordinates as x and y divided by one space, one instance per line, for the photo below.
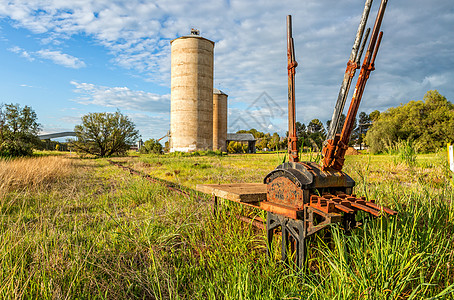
292 138
352 65
367 67
330 144
360 54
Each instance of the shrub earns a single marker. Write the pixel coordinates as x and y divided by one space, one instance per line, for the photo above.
236 147
105 134
430 123
151 146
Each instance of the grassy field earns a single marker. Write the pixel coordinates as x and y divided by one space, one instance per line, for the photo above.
82 228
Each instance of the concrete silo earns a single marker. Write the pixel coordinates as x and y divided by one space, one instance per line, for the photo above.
219 120
191 113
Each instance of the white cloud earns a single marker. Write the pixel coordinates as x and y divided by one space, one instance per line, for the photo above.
62 59
436 80
22 53
121 97
250 51
56 57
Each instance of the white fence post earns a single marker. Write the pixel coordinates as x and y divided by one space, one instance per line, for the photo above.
451 156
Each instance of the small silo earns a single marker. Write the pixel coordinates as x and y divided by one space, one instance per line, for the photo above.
191 112
219 120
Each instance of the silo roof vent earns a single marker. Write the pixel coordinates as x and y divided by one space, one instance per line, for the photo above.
195 31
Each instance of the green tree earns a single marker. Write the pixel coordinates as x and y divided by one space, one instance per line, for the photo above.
315 126
257 134
284 144
263 141
301 134
274 142
18 130
364 123
341 123
354 136
151 146
105 134
316 134
429 124
374 115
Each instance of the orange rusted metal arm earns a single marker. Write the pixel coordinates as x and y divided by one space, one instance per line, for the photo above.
334 150
292 138
352 64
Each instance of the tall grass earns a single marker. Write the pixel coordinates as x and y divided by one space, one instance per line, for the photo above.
405 152
101 233
408 257
32 173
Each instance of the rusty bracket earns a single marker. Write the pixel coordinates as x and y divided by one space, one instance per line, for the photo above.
291 67
351 68
311 213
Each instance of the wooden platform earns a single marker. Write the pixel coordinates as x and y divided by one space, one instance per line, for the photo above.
251 194
238 192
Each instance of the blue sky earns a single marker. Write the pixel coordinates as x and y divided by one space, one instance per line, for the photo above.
67 58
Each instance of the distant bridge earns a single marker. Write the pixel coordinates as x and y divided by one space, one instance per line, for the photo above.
56 135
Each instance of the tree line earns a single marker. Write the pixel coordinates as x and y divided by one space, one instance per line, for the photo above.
428 124
312 135
100 134
18 130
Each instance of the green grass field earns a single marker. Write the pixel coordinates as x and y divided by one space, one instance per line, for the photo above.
82 228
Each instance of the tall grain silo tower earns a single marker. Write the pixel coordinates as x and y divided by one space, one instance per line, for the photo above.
219 120
191 112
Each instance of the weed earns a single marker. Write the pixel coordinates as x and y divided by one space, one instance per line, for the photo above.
91 230
198 153
405 151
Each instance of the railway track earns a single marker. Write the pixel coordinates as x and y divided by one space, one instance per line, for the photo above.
185 191
182 190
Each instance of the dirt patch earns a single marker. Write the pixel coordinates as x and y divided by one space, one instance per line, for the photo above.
352 151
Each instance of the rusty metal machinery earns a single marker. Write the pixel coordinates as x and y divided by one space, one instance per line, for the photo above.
304 197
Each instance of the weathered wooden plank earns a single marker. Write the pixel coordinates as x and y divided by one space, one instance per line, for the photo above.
239 192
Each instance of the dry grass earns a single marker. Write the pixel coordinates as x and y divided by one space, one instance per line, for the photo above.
32 173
